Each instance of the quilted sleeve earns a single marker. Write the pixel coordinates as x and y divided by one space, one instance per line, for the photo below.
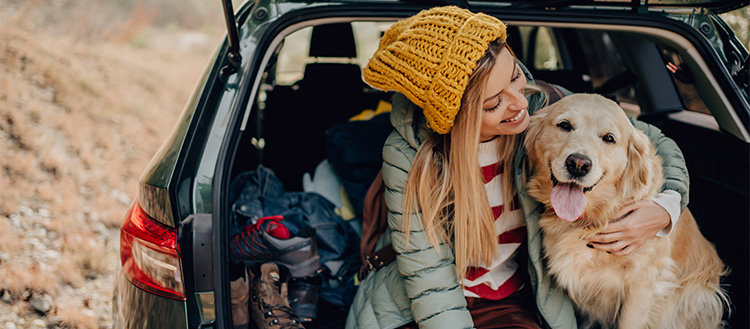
437 300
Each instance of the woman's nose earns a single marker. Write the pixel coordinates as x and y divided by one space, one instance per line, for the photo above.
518 101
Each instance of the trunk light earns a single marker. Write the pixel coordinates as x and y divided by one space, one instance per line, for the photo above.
150 255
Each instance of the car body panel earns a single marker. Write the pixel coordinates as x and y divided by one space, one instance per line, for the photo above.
158 176
135 308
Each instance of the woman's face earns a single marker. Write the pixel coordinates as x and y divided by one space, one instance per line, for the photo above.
504 107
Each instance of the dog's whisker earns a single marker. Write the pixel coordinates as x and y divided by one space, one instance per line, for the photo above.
555 181
588 189
552 175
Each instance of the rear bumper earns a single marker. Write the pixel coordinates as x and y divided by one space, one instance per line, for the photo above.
135 308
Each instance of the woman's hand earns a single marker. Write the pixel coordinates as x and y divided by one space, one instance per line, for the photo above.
638 222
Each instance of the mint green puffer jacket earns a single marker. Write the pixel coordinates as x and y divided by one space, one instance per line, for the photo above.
421 284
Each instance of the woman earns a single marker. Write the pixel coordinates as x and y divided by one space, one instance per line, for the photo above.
458 218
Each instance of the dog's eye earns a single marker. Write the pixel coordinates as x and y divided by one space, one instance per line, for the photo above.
608 138
565 125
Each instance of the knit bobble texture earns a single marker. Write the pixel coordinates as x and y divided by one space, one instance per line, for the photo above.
429 57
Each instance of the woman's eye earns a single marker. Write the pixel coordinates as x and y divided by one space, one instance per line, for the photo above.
494 107
518 75
565 125
608 138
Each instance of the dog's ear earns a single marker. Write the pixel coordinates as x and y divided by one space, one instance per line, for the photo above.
536 124
643 165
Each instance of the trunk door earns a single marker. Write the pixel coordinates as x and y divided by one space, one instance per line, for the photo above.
713 6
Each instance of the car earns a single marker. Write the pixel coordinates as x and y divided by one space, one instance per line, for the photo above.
290 70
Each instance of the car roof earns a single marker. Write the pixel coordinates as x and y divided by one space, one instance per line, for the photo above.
715 6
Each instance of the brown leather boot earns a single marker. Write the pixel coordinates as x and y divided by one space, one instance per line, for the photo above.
269 303
240 290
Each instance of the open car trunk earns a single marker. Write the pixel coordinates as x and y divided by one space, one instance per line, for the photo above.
310 88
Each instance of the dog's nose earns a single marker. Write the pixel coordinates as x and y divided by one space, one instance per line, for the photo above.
578 165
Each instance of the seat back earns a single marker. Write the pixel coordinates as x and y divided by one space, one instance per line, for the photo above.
296 117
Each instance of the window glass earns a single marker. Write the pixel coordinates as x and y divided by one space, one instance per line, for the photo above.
546 56
683 79
367 36
524 34
294 54
293 57
609 74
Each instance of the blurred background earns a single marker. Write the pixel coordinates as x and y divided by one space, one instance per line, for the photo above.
88 92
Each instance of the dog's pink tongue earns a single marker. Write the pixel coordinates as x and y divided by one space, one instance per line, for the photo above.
568 201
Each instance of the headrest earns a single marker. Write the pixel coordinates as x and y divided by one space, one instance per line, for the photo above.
331 76
333 40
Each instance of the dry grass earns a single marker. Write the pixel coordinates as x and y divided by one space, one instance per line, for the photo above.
9 240
71 316
79 121
739 20
85 253
107 121
23 276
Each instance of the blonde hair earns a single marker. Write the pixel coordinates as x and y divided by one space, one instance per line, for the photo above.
446 183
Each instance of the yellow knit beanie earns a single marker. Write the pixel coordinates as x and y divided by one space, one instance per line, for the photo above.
428 57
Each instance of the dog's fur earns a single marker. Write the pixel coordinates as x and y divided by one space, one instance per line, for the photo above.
669 282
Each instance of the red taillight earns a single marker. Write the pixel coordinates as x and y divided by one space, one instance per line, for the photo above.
150 255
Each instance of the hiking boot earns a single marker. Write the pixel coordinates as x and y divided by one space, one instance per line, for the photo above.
303 297
269 305
240 291
270 240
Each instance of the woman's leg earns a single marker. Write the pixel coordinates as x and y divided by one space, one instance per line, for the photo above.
515 311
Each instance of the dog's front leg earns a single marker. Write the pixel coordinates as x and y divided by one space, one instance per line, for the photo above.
637 306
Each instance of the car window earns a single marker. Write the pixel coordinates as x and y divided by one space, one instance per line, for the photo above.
546 54
294 54
293 57
608 72
539 48
683 79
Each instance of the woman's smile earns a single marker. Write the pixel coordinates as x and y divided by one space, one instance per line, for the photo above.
505 106
515 118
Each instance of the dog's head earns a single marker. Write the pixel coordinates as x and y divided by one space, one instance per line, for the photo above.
587 159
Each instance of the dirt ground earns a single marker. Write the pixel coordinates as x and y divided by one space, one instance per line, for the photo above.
80 117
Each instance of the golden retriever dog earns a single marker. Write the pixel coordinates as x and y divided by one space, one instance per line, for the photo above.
587 162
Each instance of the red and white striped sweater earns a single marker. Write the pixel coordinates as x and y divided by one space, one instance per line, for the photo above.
501 278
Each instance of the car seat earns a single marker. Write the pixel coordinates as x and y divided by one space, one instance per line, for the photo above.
330 92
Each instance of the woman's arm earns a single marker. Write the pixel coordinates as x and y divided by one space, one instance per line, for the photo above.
437 300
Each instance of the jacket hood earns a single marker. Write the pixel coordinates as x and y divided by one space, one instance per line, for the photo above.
408 121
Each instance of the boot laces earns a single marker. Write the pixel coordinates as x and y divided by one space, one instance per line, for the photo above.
281 311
